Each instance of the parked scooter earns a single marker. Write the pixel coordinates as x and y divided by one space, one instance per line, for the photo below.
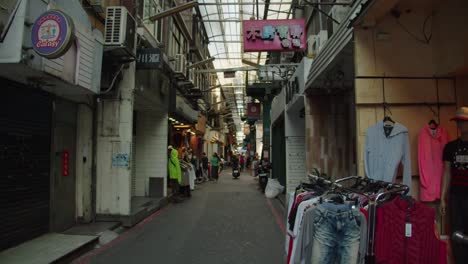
263 172
235 171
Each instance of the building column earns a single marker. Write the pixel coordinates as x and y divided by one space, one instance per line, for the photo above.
84 160
114 145
266 126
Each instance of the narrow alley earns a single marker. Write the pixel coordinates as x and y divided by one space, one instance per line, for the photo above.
226 222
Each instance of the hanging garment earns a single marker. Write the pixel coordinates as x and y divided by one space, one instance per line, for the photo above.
431 145
175 172
301 209
383 154
340 229
290 205
337 234
405 233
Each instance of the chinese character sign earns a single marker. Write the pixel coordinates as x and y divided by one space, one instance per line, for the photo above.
274 35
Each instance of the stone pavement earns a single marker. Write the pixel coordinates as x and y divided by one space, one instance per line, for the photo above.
226 222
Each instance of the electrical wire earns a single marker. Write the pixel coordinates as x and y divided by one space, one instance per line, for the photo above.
113 80
410 33
427 38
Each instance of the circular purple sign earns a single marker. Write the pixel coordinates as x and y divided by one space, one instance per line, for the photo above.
52 34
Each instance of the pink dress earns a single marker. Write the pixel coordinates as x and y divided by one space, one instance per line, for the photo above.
431 165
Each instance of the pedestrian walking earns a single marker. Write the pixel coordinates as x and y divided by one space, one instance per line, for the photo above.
175 173
215 167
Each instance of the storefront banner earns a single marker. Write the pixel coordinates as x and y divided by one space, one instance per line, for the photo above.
254 111
52 34
274 35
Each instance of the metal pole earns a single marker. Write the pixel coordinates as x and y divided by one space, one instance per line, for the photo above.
174 10
272 3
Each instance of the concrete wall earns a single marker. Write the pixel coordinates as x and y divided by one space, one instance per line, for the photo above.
84 162
330 135
151 150
115 117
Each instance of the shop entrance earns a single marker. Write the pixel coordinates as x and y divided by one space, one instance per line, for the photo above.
25 121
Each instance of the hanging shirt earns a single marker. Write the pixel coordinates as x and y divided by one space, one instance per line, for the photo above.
384 154
456 152
431 166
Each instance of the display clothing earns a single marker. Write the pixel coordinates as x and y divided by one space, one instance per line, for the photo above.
431 143
383 154
337 234
405 233
174 166
456 152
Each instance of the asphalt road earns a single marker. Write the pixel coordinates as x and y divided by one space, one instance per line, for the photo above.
226 222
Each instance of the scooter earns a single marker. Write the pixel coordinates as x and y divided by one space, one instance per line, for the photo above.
235 171
263 173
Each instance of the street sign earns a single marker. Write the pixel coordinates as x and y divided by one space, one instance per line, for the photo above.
148 58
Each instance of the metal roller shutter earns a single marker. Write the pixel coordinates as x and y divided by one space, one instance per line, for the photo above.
25 134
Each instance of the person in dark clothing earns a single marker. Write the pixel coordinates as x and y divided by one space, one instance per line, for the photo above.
204 166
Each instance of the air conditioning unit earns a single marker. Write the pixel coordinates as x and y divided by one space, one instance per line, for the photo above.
120 33
180 65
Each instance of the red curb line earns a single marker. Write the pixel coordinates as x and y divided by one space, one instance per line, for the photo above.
279 220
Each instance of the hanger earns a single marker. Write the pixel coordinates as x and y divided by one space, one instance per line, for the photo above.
388 121
433 124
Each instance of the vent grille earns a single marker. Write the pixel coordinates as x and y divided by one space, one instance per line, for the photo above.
113 26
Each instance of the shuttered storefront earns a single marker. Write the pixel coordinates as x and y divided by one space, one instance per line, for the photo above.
25 134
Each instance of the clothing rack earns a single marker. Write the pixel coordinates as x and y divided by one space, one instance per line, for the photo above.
392 188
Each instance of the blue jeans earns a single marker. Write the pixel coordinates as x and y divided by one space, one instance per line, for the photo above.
337 234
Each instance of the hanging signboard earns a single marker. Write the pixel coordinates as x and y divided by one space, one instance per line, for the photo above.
52 34
229 74
253 111
274 35
148 58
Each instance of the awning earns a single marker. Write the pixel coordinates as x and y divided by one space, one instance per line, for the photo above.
185 110
335 44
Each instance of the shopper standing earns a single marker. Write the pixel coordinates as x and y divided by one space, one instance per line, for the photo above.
215 167
175 173
204 165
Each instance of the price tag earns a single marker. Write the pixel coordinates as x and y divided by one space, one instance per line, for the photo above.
408 230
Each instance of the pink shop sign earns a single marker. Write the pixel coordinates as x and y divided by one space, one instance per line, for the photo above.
274 35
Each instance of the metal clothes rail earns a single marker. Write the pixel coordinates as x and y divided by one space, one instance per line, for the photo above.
374 201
